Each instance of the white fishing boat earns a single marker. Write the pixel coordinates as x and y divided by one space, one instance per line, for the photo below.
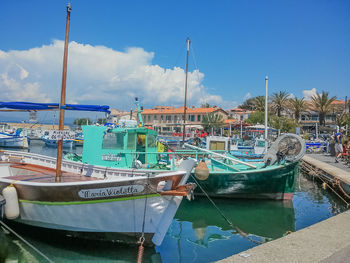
50 193
15 140
123 203
53 143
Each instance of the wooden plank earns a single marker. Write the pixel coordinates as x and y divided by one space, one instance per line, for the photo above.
330 169
45 174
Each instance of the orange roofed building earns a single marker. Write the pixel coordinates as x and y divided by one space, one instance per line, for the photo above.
167 119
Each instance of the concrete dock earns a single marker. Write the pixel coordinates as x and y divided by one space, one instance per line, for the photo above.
326 241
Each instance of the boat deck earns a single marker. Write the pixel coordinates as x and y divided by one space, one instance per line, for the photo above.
37 173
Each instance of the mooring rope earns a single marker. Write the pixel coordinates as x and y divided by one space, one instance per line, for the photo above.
25 241
242 233
142 238
322 176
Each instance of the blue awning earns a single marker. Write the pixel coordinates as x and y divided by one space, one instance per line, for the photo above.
30 106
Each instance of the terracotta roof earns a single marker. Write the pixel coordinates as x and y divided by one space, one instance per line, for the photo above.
239 110
338 102
172 110
230 121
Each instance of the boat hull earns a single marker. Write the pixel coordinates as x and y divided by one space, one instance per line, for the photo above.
52 143
129 204
274 183
119 220
14 142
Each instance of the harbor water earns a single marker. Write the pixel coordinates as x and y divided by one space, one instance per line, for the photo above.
198 233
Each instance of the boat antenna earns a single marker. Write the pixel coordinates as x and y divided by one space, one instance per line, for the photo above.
63 98
266 111
188 41
139 110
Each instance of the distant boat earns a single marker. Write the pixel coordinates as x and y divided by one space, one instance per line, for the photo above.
15 140
79 139
53 143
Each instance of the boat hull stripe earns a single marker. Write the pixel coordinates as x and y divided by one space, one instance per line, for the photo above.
89 201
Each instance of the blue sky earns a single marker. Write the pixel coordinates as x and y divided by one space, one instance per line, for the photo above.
123 49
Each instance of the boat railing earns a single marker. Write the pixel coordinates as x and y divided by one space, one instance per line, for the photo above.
198 154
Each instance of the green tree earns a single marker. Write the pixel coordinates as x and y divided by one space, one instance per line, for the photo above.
297 106
283 124
279 101
212 120
259 103
247 104
322 104
205 105
256 117
82 121
101 120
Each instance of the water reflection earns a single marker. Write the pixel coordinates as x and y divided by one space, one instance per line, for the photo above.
199 231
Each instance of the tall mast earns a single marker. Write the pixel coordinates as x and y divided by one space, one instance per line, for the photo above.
188 41
63 98
266 110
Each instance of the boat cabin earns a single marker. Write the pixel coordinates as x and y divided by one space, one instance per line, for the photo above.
122 147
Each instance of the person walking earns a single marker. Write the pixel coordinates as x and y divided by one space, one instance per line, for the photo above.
338 144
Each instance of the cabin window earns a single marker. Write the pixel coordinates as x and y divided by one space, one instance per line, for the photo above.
131 141
260 144
113 141
151 141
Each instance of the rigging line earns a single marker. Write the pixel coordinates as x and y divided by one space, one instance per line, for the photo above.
25 241
194 58
243 234
201 90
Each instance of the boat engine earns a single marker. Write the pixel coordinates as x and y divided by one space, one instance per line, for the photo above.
289 147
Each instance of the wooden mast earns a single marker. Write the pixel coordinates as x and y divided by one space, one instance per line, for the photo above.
63 98
188 41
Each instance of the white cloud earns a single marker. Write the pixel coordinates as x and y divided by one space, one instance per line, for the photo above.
97 75
309 93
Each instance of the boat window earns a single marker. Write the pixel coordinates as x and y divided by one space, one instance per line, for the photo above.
131 141
113 141
260 143
217 146
151 141
141 140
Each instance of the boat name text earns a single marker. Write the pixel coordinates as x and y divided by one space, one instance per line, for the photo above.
110 191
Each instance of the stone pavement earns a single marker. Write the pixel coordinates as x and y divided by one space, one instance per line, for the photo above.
326 158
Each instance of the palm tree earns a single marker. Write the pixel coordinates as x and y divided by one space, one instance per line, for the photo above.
247 104
279 101
212 120
297 106
322 104
259 103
